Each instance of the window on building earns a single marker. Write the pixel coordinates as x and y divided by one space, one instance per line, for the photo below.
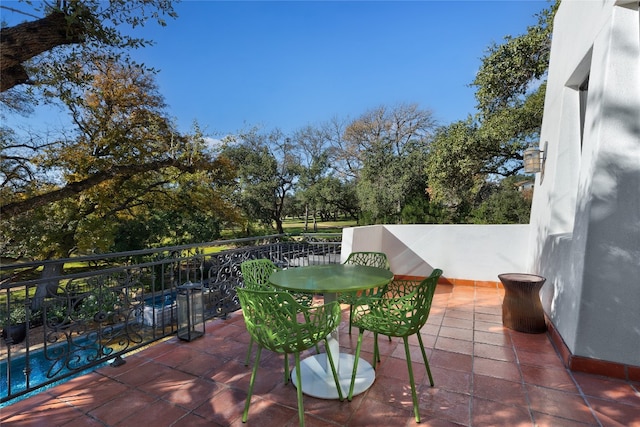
583 92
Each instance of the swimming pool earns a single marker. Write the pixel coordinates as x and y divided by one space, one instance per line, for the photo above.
55 364
159 311
70 358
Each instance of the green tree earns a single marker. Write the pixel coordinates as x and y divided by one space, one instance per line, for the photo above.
389 145
507 204
123 160
514 69
311 143
333 198
337 188
268 168
510 87
454 176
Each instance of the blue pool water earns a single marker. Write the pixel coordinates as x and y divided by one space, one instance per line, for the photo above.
160 301
40 366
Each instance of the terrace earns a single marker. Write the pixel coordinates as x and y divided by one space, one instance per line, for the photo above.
484 375
582 236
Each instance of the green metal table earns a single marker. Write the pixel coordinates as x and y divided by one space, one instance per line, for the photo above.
329 280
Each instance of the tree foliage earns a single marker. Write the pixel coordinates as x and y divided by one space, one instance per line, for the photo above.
314 155
59 52
510 71
268 168
385 149
506 204
123 160
510 86
454 167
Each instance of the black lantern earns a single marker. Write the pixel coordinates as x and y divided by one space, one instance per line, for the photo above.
190 306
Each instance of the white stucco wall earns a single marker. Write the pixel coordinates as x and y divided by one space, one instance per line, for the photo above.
586 209
472 252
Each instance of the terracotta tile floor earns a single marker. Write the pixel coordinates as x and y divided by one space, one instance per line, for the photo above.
485 375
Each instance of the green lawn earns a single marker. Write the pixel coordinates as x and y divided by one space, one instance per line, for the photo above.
295 226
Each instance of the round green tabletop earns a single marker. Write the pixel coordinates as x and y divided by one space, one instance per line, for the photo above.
331 278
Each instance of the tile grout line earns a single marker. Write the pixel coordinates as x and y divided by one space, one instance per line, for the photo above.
583 396
472 355
473 358
522 381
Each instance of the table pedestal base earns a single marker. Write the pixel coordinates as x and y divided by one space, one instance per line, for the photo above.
317 379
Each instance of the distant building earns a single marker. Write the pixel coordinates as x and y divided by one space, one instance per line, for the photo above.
525 185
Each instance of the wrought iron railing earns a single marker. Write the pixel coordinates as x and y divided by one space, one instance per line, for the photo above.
62 317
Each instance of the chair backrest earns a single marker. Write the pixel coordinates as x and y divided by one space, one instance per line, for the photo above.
279 323
424 297
408 305
371 259
256 272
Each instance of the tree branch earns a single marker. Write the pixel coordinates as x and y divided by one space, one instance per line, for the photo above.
29 39
15 208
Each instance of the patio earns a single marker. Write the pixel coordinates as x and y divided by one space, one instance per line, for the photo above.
484 375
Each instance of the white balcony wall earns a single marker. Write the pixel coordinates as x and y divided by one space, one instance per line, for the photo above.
471 252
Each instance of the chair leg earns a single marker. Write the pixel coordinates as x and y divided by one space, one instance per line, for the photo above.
299 390
333 371
350 318
246 361
355 366
411 380
376 351
245 414
424 356
286 368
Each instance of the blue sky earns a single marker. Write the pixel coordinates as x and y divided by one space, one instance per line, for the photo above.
234 64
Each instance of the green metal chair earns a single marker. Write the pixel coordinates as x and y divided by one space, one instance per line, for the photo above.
255 274
400 311
371 259
277 322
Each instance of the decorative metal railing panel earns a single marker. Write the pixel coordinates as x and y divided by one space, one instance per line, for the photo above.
116 303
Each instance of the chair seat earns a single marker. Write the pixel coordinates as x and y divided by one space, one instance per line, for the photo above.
300 338
377 322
